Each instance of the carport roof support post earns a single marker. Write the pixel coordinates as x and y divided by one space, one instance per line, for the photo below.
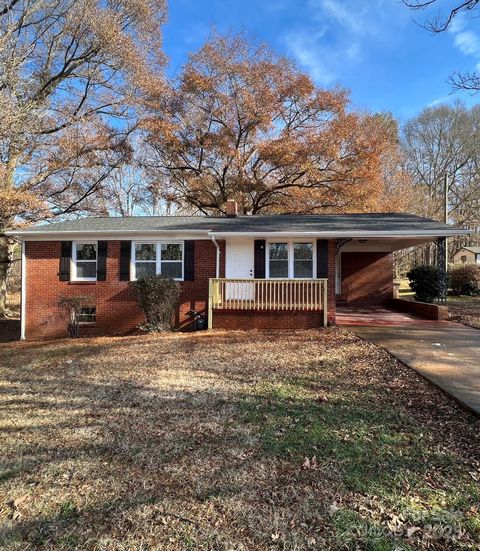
442 267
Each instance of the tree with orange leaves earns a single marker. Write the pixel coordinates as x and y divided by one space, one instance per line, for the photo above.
242 122
71 72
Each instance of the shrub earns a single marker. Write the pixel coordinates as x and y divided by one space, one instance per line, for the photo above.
465 279
158 298
425 282
70 308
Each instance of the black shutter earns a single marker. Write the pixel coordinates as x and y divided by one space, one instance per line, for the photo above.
259 259
125 253
102 260
322 258
189 261
65 258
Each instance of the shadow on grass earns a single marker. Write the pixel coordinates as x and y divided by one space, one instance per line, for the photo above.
106 459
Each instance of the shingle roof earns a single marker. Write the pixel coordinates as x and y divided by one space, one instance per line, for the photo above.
332 223
475 250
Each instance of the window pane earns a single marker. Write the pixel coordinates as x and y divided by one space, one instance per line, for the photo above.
144 269
86 269
172 269
278 268
145 251
303 268
171 251
86 251
302 260
278 251
87 314
302 251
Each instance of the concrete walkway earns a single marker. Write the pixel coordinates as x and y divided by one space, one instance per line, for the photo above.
446 353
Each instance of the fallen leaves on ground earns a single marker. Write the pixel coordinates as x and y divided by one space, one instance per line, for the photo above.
230 440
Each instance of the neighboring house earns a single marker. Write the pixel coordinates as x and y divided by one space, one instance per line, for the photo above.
467 254
240 271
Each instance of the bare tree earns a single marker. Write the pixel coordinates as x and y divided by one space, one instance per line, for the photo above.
441 21
128 191
442 142
71 72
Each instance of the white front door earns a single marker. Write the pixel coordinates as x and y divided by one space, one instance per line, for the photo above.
239 263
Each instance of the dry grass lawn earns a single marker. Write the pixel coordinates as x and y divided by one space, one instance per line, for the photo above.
303 440
465 310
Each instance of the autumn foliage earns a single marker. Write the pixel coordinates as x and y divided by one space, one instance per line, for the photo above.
242 122
71 76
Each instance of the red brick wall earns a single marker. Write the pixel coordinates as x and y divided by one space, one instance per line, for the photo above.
422 309
117 308
266 320
367 278
195 293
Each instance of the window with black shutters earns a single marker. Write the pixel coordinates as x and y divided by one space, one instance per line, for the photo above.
84 261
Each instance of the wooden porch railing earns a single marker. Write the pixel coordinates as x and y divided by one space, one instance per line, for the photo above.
267 294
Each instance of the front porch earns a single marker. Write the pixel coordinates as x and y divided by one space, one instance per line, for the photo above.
268 295
295 282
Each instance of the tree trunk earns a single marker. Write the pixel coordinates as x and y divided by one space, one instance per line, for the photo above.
6 244
6 258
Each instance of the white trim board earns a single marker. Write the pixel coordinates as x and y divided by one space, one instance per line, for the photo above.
23 297
110 236
116 236
346 234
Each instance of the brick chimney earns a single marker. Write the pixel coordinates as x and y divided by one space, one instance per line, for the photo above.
231 208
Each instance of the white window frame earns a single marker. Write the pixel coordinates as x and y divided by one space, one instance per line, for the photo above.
73 262
158 260
290 257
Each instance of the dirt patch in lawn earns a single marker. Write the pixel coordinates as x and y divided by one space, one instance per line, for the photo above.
465 310
303 440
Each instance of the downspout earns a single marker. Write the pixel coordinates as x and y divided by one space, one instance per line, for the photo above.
217 266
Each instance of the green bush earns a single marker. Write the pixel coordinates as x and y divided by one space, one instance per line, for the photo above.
158 298
465 279
425 283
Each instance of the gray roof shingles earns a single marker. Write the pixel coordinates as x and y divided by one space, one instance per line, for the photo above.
284 223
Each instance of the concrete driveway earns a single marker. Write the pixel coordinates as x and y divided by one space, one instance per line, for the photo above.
446 353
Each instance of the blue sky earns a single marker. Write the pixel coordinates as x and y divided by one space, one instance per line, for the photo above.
372 47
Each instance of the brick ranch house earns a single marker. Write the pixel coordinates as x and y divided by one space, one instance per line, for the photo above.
271 272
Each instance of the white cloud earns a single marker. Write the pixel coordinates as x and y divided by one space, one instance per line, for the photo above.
466 40
468 43
342 14
308 52
438 101
348 27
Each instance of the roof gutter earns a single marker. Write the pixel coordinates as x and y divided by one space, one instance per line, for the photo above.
73 233
351 234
